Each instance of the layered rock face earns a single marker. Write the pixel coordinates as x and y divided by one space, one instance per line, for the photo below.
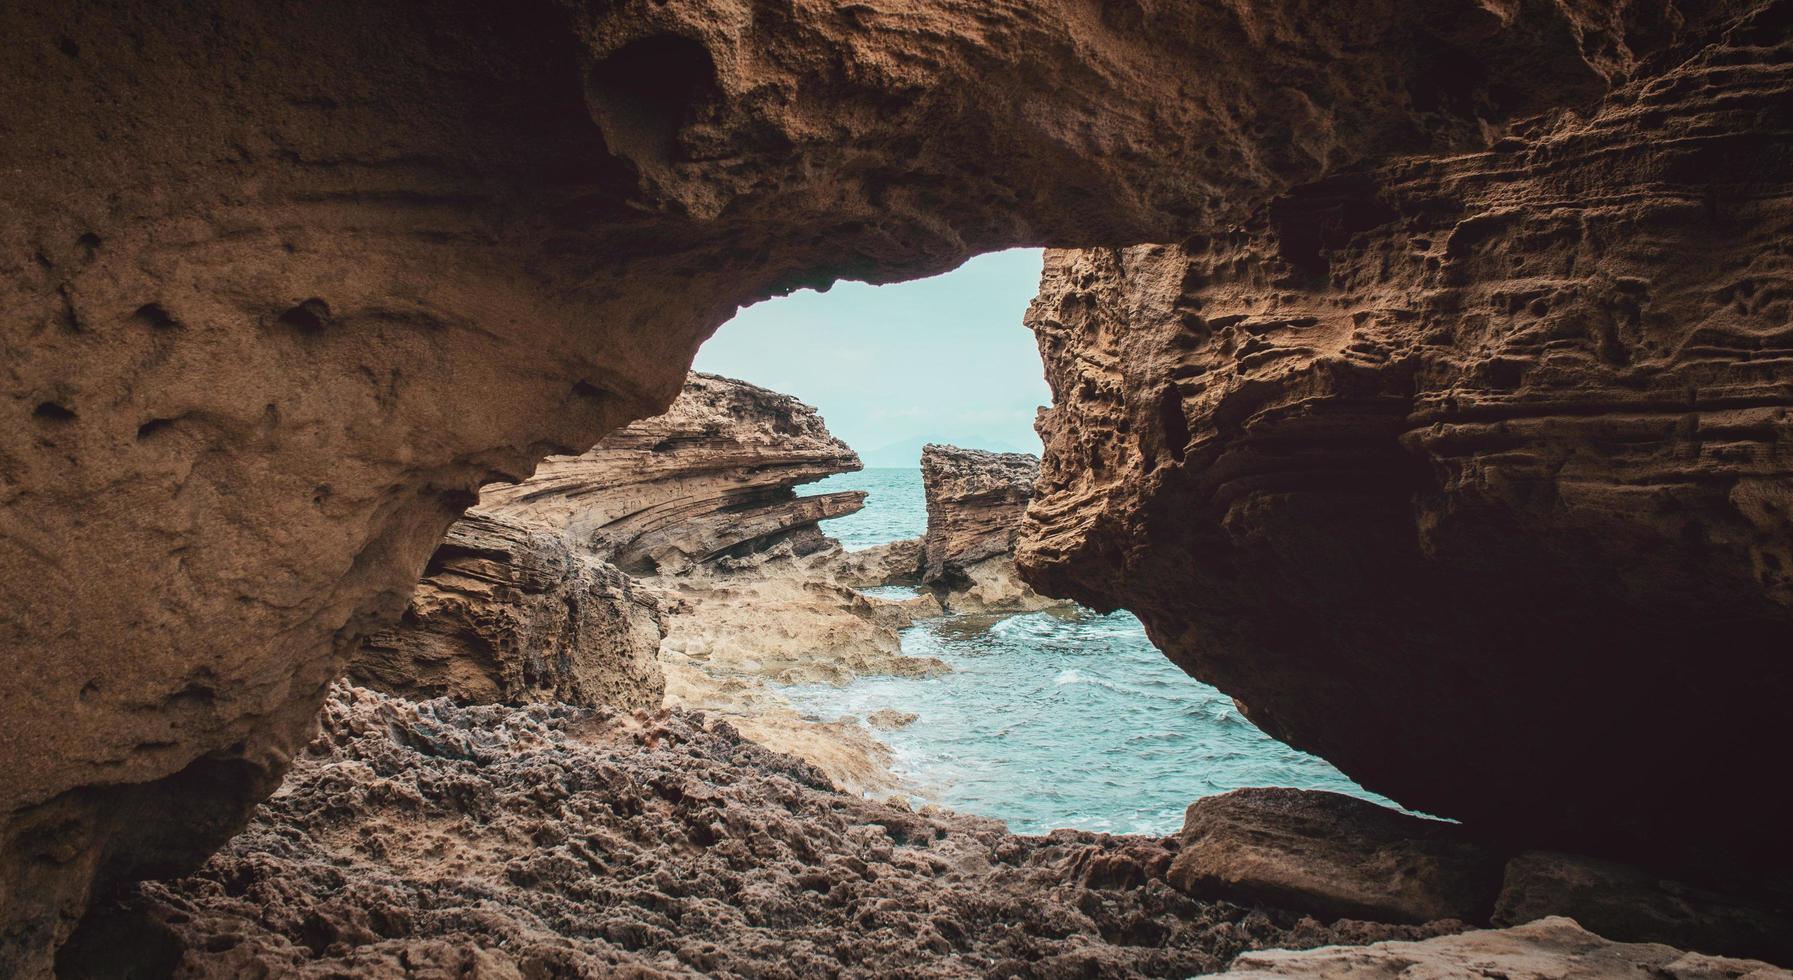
1334 856
1471 473
975 501
712 476
1331 856
285 284
510 613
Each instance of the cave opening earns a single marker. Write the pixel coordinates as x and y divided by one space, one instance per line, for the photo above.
993 699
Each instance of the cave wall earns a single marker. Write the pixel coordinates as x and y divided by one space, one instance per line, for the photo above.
283 283
1471 473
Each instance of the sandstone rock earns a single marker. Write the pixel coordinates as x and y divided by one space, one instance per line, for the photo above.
547 841
711 477
734 632
975 500
283 287
1549 949
896 563
508 613
1333 856
1629 904
1471 474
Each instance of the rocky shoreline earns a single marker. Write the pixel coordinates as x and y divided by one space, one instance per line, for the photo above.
434 839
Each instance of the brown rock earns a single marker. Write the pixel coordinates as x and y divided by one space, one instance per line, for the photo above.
415 839
1632 905
510 613
890 719
282 287
1549 949
975 501
1333 856
711 477
895 563
1471 474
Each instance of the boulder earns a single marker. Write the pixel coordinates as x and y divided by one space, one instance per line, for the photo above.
508 613
1333 856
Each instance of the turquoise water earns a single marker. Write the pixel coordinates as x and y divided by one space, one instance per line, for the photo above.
1052 720
895 506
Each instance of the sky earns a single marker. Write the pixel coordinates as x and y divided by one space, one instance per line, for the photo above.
892 367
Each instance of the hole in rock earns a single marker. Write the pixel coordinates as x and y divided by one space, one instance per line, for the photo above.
152 427
648 90
53 412
310 316
154 316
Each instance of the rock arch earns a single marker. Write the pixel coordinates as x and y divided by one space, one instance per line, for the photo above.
395 251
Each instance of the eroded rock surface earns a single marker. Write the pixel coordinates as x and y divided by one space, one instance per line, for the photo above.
975 500
712 476
1550 949
509 612
1331 855
416 839
1471 474
1334 856
284 285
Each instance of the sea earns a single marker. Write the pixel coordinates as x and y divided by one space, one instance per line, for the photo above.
1051 719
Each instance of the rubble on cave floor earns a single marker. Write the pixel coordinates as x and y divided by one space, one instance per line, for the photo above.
429 839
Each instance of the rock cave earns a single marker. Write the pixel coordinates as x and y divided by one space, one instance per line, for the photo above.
1420 378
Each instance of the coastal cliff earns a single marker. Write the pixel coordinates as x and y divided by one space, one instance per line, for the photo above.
525 600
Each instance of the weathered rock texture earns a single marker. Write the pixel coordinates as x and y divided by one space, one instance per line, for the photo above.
1550 949
429 839
1471 473
1334 856
975 500
712 476
283 284
509 613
